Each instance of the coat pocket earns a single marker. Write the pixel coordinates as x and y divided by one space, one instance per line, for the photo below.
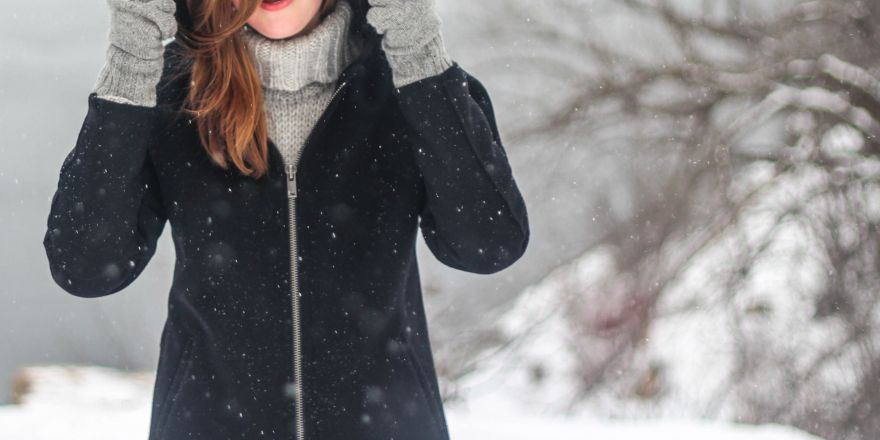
424 382
181 370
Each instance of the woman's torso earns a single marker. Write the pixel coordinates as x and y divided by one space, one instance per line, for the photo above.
366 361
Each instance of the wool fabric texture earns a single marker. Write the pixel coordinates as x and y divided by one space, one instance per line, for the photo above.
134 57
299 73
411 38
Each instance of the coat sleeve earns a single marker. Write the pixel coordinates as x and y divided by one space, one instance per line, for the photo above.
106 214
472 215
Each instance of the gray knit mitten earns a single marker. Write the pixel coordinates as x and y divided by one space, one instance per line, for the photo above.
412 41
135 60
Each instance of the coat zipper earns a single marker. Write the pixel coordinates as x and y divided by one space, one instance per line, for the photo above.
295 294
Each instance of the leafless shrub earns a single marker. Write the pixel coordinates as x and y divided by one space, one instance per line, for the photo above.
746 122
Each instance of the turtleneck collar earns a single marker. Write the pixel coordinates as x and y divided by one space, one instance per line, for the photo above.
317 56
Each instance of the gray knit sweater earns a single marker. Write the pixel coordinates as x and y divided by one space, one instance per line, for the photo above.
298 74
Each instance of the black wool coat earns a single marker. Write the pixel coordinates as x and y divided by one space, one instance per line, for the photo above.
332 344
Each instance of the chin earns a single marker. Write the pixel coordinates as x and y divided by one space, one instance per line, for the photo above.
277 34
278 28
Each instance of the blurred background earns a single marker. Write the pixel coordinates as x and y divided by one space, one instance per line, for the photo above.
703 184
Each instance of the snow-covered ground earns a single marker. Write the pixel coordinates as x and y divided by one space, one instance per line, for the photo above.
710 351
98 403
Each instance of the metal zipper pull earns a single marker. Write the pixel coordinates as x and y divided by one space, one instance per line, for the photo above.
291 180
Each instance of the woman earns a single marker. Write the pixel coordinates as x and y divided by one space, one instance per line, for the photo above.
296 149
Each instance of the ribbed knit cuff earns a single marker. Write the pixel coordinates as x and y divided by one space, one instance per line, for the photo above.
413 64
129 78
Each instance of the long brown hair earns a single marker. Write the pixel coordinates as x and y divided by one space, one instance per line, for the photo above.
225 93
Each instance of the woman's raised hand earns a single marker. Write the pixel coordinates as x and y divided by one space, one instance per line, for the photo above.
411 38
404 23
135 54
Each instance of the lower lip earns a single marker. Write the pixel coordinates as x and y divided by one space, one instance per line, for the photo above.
275 6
